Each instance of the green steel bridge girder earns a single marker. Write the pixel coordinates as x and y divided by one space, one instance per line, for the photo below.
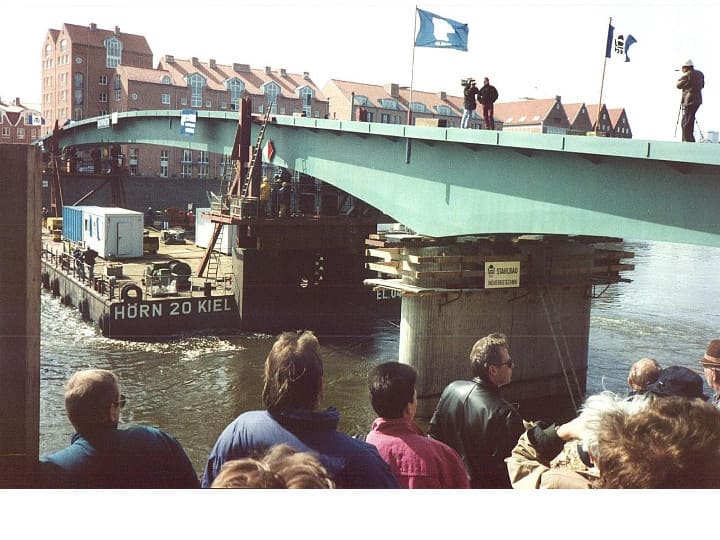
454 182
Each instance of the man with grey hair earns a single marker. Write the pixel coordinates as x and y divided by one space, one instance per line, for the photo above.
564 456
474 419
101 456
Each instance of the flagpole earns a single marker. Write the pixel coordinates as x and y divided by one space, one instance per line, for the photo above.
412 80
602 83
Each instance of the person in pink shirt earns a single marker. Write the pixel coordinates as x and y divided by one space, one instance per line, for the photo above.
416 460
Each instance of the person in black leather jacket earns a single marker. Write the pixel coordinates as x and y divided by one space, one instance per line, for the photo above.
474 419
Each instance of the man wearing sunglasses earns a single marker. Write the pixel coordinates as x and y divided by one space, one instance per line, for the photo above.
474 419
101 456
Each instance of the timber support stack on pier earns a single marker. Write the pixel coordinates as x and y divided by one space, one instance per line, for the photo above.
535 289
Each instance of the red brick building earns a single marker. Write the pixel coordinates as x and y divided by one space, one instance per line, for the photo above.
88 71
19 124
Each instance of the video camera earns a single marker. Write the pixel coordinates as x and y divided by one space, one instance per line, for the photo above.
466 82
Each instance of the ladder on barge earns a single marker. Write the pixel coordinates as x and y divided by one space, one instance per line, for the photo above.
241 174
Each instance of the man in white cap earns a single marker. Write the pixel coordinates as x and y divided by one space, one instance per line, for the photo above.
691 83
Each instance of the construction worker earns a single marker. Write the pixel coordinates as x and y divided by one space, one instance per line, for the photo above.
264 196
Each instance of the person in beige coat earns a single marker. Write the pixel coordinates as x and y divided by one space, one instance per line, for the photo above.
564 457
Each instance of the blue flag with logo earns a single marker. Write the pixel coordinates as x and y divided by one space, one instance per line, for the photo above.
441 32
619 44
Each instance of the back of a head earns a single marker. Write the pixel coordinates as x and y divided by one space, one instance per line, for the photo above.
293 372
392 387
486 350
673 443
596 407
88 396
282 467
644 372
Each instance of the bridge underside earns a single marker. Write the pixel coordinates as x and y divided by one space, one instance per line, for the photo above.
452 182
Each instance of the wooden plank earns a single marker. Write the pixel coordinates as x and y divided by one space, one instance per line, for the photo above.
386 254
606 253
448 274
383 268
379 243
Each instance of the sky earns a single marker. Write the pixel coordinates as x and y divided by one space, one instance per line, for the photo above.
526 48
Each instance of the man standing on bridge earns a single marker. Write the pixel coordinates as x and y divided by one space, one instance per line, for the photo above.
691 83
476 421
487 96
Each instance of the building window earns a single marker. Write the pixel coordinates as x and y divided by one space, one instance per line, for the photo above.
183 101
186 170
133 96
165 80
389 103
78 115
362 101
223 105
118 95
48 50
103 80
63 45
164 163
103 97
196 83
20 133
187 155
418 107
203 164
271 91
208 103
165 99
306 97
370 116
444 110
6 132
113 52
236 88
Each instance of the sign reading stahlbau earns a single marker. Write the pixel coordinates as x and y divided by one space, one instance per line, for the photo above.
501 274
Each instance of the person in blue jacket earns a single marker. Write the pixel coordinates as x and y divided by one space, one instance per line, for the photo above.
291 396
101 456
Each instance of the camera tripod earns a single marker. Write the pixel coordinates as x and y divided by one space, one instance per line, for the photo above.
677 123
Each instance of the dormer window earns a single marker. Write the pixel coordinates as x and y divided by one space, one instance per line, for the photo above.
444 110
389 104
196 82
236 88
166 80
272 91
362 101
418 107
113 52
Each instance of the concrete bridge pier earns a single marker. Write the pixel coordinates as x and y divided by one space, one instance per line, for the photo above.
448 303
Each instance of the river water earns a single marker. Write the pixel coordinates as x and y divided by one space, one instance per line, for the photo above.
193 386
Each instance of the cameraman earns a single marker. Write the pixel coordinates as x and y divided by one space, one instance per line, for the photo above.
691 83
470 92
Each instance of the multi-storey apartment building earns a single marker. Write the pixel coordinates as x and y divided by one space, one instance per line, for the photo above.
78 70
19 124
88 71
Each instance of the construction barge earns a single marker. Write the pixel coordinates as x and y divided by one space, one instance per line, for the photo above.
142 297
